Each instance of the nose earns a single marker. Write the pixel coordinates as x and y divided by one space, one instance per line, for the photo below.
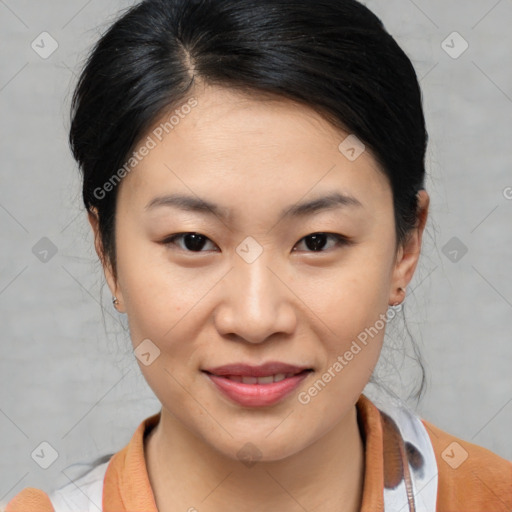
257 302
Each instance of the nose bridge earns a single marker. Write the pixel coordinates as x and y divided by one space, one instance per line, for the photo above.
258 282
256 303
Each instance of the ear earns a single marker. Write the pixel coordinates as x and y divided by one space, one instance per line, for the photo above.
409 252
105 262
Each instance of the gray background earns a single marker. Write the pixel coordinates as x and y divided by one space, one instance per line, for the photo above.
68 375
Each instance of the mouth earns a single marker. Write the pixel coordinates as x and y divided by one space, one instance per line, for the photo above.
267 379
256 390
268 369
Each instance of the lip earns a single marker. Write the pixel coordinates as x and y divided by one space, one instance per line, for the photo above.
246 370
256 395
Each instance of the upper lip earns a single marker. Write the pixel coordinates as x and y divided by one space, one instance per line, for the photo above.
246 370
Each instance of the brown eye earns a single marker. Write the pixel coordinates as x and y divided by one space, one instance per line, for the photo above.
316 241
191 242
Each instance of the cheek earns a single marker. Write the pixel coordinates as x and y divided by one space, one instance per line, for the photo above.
352 296
354 312
350 305
155 296
169 305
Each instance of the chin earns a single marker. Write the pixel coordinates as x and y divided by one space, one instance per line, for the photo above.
260 447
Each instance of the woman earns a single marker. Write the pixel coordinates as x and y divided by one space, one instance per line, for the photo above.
254 178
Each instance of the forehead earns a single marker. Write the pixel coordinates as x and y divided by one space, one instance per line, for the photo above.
258 147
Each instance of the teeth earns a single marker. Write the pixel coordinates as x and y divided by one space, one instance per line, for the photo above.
265 380
269 379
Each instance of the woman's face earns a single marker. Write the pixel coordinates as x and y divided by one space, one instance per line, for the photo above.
255 287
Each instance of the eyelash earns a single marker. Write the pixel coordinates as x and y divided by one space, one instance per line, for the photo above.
340 239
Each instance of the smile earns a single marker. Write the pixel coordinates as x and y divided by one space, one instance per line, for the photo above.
250 391
259 380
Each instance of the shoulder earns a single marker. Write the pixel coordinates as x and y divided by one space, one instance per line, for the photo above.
469 475
27 500
82 495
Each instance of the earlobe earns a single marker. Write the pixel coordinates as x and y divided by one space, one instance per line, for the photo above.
400 297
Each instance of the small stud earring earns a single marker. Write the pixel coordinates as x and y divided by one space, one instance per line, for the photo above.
115 301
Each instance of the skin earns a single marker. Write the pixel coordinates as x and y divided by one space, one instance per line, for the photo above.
292 304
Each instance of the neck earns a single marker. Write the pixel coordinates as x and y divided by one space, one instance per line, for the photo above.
184 470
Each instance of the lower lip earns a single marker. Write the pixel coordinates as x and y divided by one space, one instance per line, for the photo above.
257 395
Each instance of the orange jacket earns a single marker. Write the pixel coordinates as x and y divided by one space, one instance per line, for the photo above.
469 478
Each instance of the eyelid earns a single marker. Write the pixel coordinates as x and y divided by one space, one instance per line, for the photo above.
169 240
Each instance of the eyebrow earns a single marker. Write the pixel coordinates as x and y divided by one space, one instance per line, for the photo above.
194 204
